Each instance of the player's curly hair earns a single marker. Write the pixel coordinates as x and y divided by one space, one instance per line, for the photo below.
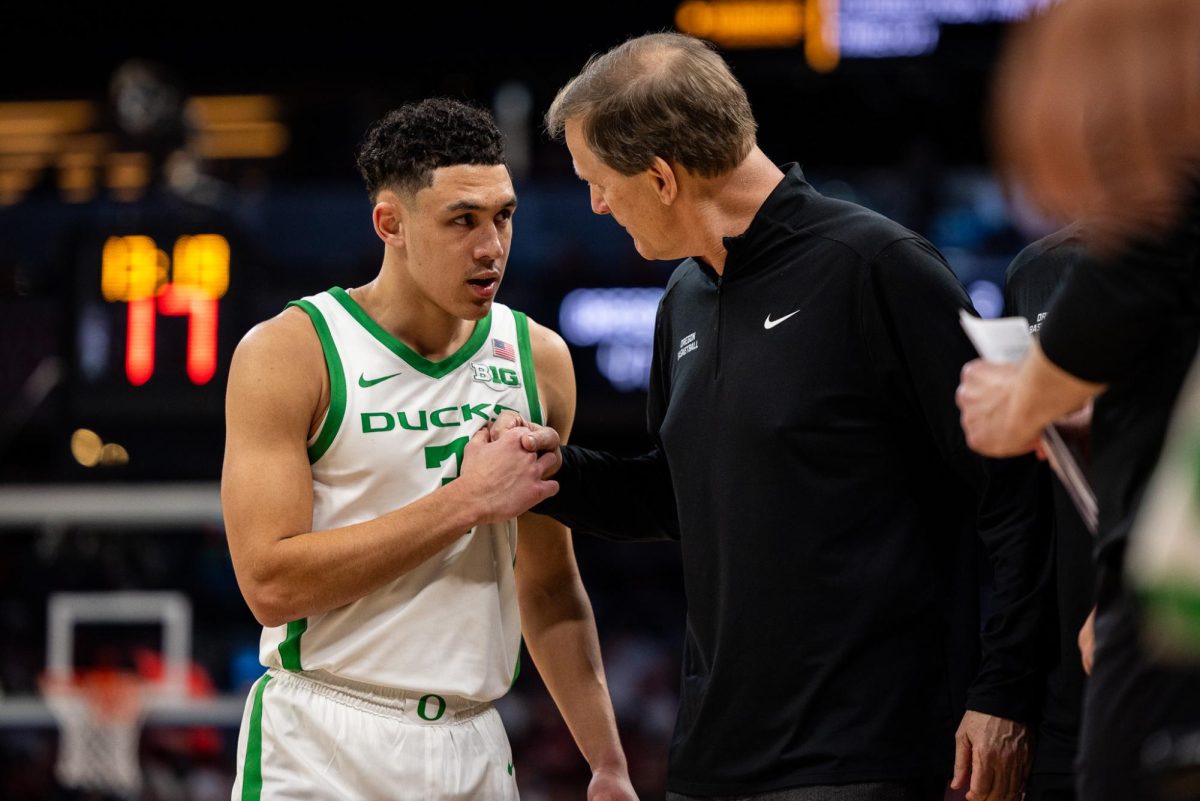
401 150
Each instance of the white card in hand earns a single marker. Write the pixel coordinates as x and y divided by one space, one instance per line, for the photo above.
1005 340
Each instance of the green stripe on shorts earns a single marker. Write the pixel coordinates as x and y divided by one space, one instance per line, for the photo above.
252 770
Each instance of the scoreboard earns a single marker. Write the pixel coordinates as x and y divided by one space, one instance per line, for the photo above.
189 282
161 291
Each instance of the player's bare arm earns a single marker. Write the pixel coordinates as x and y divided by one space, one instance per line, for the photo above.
556 615
278 392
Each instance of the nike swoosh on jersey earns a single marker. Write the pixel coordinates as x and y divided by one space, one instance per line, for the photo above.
365 382
769 323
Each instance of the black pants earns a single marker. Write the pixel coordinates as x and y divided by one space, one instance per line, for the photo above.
1134 710
921 790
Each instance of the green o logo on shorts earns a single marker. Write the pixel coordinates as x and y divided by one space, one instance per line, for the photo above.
423 707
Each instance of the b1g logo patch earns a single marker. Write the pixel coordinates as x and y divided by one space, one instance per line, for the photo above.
498 378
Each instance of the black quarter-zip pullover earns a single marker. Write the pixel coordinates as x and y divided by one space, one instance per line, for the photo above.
810 461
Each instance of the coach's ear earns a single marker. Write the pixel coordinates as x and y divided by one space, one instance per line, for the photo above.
388 219
662 175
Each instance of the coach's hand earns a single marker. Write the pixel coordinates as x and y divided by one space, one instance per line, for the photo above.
611 786
993 754
1087 642
502 477
984 398
542 440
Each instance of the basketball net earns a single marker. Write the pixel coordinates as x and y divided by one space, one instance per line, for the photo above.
99 715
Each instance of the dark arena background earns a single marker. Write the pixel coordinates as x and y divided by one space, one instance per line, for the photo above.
210 156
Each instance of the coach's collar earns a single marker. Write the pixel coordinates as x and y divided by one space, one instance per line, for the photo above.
780 206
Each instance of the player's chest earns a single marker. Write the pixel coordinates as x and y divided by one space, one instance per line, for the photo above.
420 426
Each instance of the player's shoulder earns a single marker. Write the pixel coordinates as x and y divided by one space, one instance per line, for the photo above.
555 376
289 332
551 356
546 343
286 347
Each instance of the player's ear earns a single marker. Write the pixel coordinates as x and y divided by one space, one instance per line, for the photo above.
388 218
662 174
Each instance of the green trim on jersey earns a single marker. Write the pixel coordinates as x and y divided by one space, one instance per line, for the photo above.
525 349
337 382
530 376
252 769
414 359
289 649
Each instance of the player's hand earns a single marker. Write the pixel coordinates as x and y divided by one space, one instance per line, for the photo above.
507 421
541 440
610 785
502 477
983 397
993 754
1087 642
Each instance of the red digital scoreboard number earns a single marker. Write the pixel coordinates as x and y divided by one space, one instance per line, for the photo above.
190 282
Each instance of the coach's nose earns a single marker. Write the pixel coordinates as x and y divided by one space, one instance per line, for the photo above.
598 204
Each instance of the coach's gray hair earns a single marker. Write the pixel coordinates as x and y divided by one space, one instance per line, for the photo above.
662 94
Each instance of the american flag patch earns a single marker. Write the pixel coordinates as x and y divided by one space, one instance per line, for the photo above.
503 350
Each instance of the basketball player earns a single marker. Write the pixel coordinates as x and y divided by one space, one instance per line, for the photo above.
371 522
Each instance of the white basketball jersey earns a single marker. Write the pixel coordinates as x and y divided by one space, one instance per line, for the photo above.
395 431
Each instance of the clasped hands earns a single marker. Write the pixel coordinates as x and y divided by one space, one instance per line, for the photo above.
541 440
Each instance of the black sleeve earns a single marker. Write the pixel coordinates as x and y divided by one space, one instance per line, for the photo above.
1110 310
620 498
911 325
1037 273
615 497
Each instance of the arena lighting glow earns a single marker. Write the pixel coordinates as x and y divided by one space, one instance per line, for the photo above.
131 268
949 11
888 28
201 311
247 140
40 135
832 29
202 263
619 322
822 45
86 446
139 341
627 367
135 271
238 126
113 454
743 23
766 23
89 450
987 298
127 174
886 38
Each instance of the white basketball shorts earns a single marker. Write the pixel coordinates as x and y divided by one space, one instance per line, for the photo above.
309 737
